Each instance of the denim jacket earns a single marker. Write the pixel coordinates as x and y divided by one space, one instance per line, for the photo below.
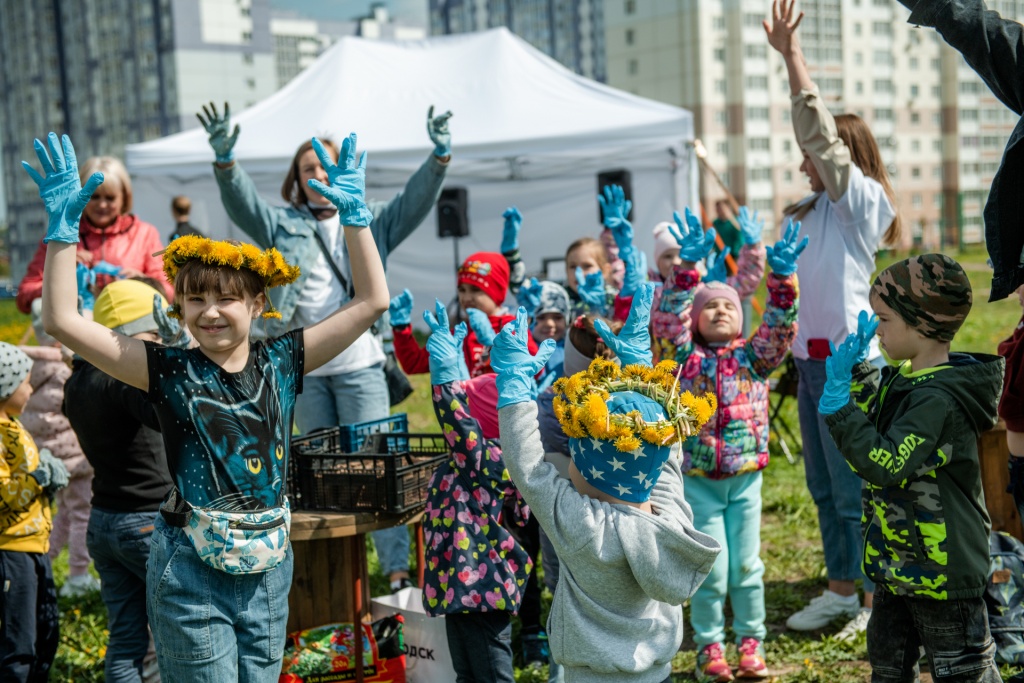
994 47
291 229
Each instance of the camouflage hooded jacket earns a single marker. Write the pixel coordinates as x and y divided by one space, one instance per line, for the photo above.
925 523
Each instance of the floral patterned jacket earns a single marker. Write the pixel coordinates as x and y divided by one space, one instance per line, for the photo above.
735 440
473 563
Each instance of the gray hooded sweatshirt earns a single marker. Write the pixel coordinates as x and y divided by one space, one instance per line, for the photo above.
617 613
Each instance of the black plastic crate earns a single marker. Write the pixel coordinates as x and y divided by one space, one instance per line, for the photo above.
389 474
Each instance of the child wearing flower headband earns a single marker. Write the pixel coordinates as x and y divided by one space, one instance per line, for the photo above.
622 529
220 565
700 323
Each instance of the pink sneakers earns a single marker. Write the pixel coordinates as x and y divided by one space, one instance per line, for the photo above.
752 663
711 664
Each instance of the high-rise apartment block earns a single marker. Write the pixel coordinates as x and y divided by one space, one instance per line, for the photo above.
571 31
940 130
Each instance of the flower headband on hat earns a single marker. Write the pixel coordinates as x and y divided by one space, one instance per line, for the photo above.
269 265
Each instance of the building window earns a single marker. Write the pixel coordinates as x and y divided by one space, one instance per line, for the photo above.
251 83
247 57
629 36
937 201
757 82
633 67
756 51
630 6
915 145
858 29
915 172
884 85
914 63
759 144
247 37
757 113
719 54
881 28
720 85
858 58
787 176
969 114
760 174
787 146
718 22
883 114
722 117
858 87
723 149
914 91
915 117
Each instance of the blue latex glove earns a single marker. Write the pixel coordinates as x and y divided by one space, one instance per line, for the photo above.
104 268
437 129
633 343
838 376
514 364
447 363
528 295
615 208
591 290
510 233
171 332
217 128
867 325
694 243
783 256
481 326
751 226
718 270
347 190
86 279
400 309
636 270
60 188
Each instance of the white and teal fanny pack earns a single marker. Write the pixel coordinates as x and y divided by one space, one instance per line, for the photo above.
235 542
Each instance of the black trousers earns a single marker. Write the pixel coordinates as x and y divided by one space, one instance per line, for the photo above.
29 626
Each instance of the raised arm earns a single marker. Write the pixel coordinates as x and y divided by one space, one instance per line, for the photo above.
347 191
773 338
65 198
750 264
993 46
510 248
670 316
813 123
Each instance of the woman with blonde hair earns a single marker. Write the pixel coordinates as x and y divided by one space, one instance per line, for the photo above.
110 234
851 213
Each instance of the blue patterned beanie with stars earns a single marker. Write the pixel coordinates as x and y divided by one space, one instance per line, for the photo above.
627 476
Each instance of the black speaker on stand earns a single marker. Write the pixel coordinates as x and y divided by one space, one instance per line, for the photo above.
453 221
615 176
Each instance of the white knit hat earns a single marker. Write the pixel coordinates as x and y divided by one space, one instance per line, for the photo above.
14 368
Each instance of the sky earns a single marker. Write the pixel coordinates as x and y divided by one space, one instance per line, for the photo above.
412 12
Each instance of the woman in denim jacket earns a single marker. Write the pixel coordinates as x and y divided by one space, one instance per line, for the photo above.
351 387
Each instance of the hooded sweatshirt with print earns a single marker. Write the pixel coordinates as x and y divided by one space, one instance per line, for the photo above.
617 614
926 528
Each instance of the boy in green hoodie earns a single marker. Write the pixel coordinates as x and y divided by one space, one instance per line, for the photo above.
925 524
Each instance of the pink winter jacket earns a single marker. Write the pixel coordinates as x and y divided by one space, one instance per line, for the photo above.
43 416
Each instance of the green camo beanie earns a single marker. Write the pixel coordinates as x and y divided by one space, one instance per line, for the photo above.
931 293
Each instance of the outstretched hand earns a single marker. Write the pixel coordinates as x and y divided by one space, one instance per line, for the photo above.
529 294
694 243
783 256
510 231
867 325
400 309
514 364
751 226
217 128
718 270
782 29
347 189
447 363
60 188
633 343
590 288
437 129
615 208
480 323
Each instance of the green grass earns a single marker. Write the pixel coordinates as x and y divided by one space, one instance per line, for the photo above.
791 544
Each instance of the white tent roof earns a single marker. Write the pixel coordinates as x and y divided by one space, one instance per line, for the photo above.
505 94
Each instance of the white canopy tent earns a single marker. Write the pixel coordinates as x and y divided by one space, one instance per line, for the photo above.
525 132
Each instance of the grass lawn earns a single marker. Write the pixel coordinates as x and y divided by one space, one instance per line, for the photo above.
791 544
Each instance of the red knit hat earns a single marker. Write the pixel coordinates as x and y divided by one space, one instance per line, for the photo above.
488 271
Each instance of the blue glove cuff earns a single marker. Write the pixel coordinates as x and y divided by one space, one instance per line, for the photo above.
447 373
833 399
356 217
442 150
514 388
225 158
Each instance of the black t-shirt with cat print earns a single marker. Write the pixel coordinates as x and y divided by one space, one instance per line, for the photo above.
227 434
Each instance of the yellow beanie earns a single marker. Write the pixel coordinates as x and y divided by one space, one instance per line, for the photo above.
126 307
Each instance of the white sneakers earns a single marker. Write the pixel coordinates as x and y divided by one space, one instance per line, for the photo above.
858 624
823 609
79 585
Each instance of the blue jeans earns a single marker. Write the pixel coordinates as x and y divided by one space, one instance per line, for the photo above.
834 487
729 510
211 626
119 545
345 399
28 617
954 633
481 646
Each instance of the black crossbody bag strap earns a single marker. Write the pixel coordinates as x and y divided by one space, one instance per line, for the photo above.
333 265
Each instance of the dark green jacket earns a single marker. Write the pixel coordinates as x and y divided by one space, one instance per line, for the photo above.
925 524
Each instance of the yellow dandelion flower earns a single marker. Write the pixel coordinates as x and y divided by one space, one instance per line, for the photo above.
627 444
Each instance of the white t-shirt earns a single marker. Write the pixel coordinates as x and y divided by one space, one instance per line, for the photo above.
322 295
835 271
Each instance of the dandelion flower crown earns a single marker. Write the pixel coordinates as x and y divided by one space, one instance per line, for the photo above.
581 405
269 264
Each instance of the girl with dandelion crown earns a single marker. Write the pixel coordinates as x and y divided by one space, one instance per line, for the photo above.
225 409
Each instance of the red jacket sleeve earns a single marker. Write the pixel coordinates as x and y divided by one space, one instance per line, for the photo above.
31 286
413 359
621 307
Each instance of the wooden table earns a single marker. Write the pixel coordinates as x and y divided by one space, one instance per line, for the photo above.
993 456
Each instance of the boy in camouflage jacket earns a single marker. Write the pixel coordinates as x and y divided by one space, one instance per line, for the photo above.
926 527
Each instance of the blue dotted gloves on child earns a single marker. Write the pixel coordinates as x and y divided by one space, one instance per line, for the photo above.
347 190
514 364
839 366
783 256
51 474
60 188
400 309
694 243
480 323
217 128
437 129
447 363
633 343
751 227
718 270
529 294
510 231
